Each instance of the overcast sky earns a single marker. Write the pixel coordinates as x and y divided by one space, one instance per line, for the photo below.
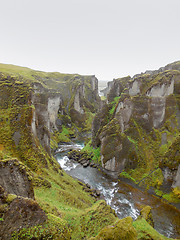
108 38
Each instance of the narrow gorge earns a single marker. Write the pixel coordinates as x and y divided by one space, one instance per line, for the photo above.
132 134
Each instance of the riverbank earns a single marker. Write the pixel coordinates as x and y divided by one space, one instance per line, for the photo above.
125 199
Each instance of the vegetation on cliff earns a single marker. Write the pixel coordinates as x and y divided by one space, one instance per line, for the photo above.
37 110
139 133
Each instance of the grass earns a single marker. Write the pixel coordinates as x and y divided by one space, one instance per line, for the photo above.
128 176
64 135
65 194
68 204
171 197
88 122
95 152
145 231
33 75
103 98
114 103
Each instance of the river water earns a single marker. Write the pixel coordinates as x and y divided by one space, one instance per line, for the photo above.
122 197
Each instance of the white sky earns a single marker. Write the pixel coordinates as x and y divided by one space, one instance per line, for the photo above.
108 38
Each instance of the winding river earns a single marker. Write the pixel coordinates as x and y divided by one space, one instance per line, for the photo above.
122 197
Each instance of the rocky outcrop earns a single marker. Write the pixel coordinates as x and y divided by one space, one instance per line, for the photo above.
171 66
83 158
14 179
18 214
176 182
115 88
116 148
77 100
45 114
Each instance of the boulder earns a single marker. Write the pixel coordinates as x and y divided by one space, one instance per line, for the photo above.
86 164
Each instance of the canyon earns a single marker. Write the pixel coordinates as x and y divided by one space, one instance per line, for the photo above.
134 132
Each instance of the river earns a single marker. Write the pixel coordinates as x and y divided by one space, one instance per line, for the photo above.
122 197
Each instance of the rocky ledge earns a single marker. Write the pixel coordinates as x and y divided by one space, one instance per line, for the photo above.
83 158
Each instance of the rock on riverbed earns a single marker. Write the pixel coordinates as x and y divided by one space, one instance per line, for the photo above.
83 158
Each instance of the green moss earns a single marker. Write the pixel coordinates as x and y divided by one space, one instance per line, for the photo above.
171 158
88 121
126 175
95 153
16 120
103 98
66 194
53 143
64 136
158 192
132 140
171 197
75 208
114 105
123 230
3 209
148 81
176 192
145 231
10 198
111 111
153 179
54 228
90 222
147 215
150 152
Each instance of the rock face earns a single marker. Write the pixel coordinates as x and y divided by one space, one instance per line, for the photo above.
21 213
177 178
45 114
141 125
14 179
115 88
114 145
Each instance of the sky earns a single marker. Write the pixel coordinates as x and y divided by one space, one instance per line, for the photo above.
106 38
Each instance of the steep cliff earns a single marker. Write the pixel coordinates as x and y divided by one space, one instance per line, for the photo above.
37 104
35 108
139 134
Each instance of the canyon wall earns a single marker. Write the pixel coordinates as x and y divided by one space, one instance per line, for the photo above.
141 127
35 105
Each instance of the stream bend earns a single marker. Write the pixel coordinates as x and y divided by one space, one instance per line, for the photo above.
123 198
